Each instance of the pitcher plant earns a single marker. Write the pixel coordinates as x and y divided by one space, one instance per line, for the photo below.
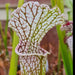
31 22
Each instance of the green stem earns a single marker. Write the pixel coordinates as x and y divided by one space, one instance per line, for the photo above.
0 45
66 55
14 57
6 26
59 58
4 35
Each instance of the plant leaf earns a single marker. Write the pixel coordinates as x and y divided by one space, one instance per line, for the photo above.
14 57
69 4
4 38
31 22
65 52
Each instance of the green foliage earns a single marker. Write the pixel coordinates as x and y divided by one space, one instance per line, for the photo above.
20 2
58 3
69 4
70 15
11 31
14 57
64 50
6 26
59 59
0 45
4 38
4 34
7 17
53 3
69 34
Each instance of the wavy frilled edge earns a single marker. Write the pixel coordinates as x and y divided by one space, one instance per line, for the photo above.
43 52
34 31
56 21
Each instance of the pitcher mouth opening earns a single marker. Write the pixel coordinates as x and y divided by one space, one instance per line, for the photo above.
41 51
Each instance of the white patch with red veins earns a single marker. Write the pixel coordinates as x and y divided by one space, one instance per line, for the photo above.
34 19
31 22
